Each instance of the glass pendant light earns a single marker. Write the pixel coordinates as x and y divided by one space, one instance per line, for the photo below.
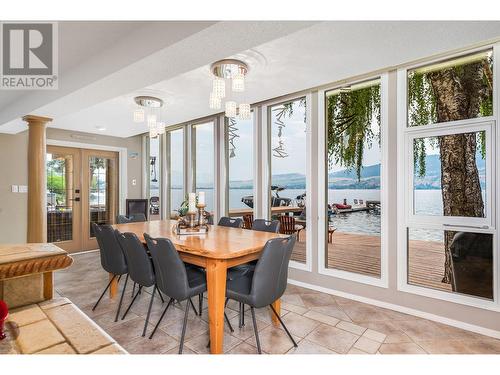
215 102
238 82
219 88
230 109
244 111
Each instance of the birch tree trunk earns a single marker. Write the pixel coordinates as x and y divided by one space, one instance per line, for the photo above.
458 93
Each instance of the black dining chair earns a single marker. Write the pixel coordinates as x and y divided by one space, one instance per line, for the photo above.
230 222
174 279
267 283
141 269
262 225
113 260
133 218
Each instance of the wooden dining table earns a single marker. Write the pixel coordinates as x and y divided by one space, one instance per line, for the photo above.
216 251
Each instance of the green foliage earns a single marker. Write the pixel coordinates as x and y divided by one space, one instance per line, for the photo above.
349 118
422 103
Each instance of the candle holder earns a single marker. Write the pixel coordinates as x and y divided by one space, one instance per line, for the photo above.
202 221
191 219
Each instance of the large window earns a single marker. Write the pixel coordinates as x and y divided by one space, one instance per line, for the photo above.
353 145
176 170
287 193
239 154
154 178
203 159
449 148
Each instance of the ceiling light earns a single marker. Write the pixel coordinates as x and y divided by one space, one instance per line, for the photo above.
219 88
244 111
238 82
139 115
161 128
100 128
230 109
215 102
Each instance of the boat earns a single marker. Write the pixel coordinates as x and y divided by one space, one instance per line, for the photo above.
276 200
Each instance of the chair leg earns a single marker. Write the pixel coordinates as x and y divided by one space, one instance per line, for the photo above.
131 303
255 330
133 290
149 312
161 317
283 324
121 299
181 345
242 314
161 297
200 303
103 293
192 305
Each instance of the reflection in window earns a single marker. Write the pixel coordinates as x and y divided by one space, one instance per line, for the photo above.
59 169
239 146
176 170
154 178
353 192
470 261
449 179
102 188
203 135
456 89
288 171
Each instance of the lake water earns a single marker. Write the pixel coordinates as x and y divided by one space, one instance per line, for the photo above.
426 201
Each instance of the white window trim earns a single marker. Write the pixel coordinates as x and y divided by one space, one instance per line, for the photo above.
472 127
266 171
383 281
404 188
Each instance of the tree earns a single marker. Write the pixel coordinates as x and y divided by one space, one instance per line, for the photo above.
448 93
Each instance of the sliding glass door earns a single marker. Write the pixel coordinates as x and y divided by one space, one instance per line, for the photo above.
176 175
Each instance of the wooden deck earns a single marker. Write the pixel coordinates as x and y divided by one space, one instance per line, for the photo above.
361 254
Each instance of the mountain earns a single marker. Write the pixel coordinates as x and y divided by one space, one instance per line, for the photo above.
370 177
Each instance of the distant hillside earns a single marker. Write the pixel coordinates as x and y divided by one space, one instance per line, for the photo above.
370 177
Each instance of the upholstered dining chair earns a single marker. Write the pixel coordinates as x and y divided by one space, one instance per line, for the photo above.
267 283
141 269
230 222
173 278
262 225
113 260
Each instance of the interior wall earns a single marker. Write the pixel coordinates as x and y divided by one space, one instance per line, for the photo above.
14 171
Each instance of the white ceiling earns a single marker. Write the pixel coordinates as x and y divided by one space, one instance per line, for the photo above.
284 57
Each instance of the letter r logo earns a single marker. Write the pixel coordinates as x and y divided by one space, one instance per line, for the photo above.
27 49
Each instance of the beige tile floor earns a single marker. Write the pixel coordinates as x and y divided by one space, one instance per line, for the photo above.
320 323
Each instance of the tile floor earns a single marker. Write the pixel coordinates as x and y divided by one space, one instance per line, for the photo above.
320 323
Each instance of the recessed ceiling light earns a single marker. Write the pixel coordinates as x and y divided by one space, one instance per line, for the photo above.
100 128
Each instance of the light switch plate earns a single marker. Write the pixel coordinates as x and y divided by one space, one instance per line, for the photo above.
23 188
15 188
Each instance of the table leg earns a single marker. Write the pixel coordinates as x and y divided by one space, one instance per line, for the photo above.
216 285
113 288
48 285
277 307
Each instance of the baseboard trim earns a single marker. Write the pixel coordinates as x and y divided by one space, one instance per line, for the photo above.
402 309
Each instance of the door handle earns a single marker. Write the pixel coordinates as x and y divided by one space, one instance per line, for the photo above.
77 199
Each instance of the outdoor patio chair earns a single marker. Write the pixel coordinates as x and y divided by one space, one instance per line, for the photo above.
288 226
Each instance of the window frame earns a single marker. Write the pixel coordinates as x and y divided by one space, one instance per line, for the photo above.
266 137
383 281
225 157
407 219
